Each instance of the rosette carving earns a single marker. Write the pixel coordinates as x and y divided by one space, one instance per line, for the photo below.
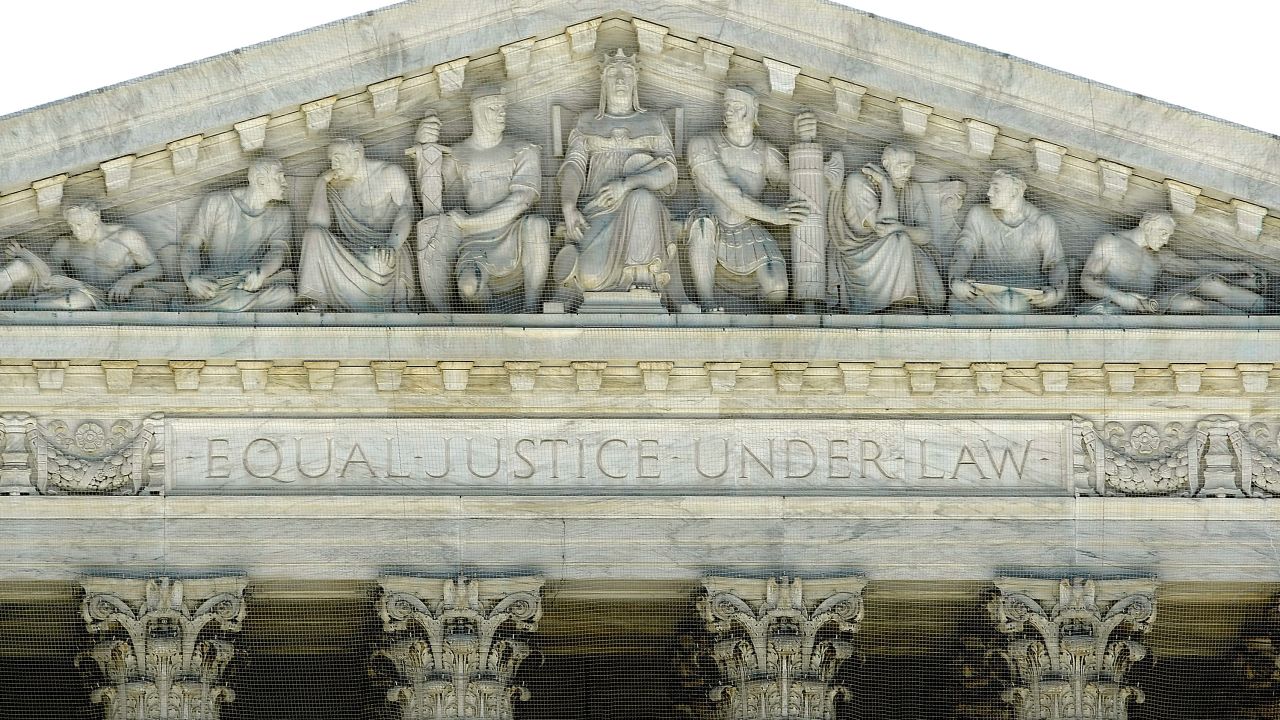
1071 649
457 644
779 643
92 457
162 648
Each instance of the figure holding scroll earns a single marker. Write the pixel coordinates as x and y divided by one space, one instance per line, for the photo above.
1008 258
1131 271
234 252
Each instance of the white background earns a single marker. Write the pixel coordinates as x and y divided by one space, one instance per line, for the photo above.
1218 58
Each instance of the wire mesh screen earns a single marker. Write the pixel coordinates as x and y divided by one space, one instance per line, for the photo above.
309 650
621 175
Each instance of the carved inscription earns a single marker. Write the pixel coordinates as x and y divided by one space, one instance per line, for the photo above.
582 455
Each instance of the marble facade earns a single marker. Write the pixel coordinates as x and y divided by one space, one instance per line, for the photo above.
637 349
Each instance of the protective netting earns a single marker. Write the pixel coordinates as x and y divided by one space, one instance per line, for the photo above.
922 649
723 200
876 224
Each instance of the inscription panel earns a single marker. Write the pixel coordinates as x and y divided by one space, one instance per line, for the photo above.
617 456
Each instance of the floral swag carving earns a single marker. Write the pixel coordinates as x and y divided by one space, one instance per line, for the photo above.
80 457
1213 457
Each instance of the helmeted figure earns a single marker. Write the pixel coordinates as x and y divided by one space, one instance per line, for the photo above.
623 160
729 250
354 256
494 247
234 251
881 223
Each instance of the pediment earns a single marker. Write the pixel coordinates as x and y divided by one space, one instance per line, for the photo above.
1093 157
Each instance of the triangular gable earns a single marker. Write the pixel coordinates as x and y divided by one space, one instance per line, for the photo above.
1095 156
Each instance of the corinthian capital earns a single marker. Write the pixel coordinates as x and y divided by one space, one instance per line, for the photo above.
162 645
456 644
1071 643
779 642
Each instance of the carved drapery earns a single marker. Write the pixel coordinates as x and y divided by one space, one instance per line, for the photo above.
161 645
779 643
457 644
1071 643
230 264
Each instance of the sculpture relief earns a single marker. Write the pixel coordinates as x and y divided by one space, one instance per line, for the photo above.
728 248
101 264
1008 258
1130 271
881 224
354 255
618 163
1072 648
163 645
883 237
493 247
234 252
457 644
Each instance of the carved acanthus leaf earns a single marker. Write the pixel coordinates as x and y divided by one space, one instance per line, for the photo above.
1071 648
779 643
457 644
162 648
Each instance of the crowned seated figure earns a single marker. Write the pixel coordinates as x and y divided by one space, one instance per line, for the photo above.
620 160
234 252
494 246
99 266
1131 271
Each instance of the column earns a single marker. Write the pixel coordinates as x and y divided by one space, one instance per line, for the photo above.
162 645
456 645
778 643
1071 643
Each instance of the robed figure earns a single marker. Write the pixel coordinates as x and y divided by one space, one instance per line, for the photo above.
882 224
354 255
234 252
622 161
